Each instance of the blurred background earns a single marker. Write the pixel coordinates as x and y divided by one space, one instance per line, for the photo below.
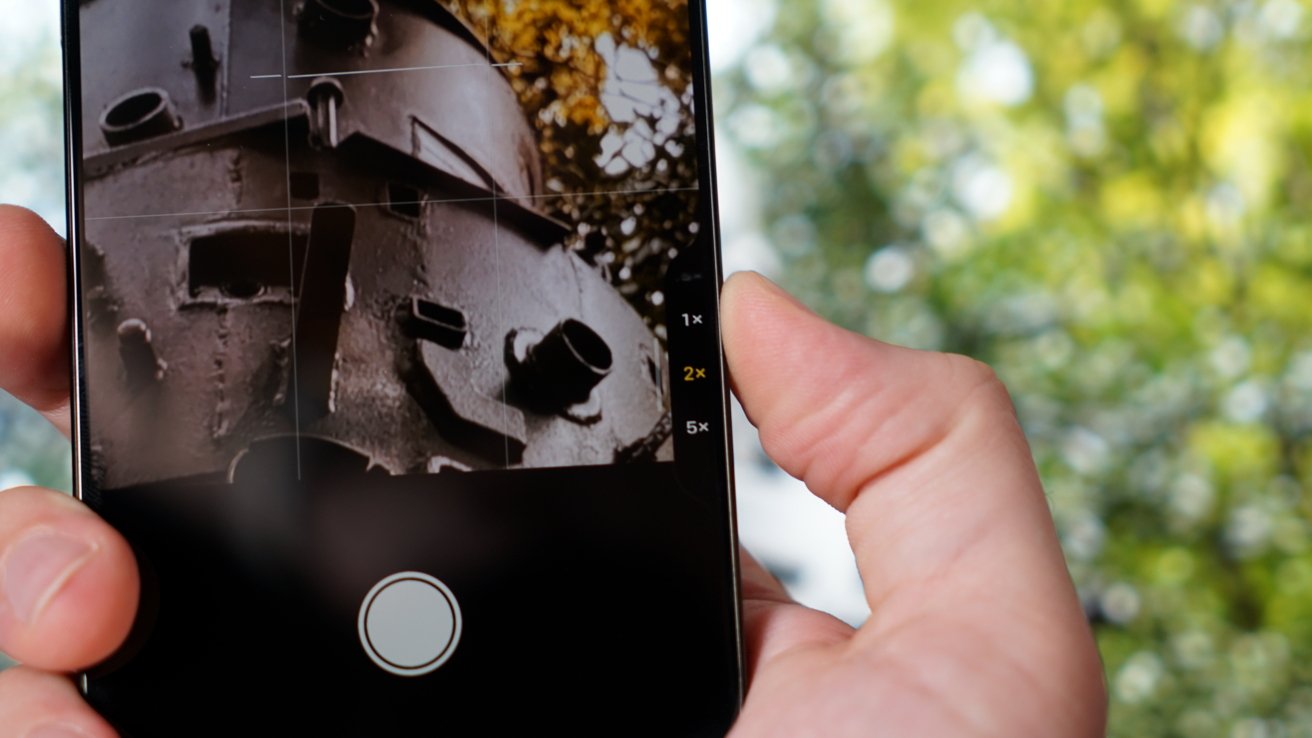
1110 202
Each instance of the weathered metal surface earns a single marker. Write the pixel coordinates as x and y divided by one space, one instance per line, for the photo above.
309 248
449 87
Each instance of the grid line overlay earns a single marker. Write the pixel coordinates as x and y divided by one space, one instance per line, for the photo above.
493 197
291 236
440 201
496 252
355 72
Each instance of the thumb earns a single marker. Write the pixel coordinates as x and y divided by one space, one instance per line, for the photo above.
923 452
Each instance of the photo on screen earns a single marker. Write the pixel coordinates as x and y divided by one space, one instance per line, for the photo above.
409 236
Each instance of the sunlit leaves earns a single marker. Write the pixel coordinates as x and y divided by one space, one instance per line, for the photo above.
1109 203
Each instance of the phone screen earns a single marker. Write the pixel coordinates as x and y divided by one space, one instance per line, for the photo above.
398 358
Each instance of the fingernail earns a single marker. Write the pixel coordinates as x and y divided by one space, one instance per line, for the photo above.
55 731
37 566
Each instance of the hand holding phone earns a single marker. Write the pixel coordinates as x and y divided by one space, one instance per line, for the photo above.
996 613
402 393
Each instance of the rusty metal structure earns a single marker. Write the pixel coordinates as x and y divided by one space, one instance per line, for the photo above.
321 221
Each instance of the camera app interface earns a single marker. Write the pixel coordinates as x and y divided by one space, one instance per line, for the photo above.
374 288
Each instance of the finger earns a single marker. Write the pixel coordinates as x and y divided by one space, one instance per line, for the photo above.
774 624
35 704
923 451
33 317
68 581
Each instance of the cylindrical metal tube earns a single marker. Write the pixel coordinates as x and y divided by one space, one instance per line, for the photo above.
138 115
569 361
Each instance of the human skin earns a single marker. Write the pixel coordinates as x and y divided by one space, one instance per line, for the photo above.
975 628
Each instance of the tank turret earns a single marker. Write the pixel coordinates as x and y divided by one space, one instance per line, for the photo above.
330 224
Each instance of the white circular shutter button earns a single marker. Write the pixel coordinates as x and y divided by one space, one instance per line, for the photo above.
409 623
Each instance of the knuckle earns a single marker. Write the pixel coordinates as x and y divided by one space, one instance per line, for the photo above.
970 368
981 389
973 374
8 678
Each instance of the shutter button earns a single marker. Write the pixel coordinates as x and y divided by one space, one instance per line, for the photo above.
409 623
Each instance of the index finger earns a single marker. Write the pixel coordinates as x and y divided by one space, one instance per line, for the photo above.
33 314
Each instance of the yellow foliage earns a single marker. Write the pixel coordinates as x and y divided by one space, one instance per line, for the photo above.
559 39
1213 282
1119 81
1173 566
1132 200
1236 451
1239 141
1282 294
1156 8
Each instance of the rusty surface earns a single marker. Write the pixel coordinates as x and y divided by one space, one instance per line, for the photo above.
335 263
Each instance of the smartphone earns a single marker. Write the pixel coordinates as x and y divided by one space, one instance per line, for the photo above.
397 363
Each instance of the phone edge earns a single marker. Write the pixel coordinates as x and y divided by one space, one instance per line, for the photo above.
706 154
71 58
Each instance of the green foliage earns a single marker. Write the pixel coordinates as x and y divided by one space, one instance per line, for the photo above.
31 137
31 450
1109 202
